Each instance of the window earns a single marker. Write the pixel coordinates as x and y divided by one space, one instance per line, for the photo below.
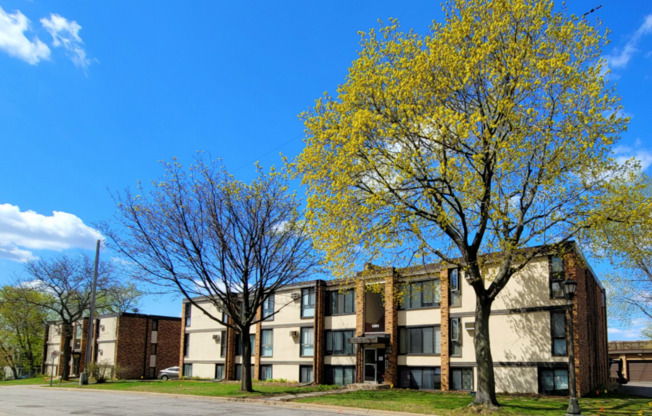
424 294
268 308
424 340
186 344
308 302
454 287
267 342
456 337
556 265
219 371
553 381
305 374
188 314
462 378
340 303
266 372
187 370
428 378
152 349
337 342
152 372
340 375
154 324
558 332
225 316
238 344
223 344
307 340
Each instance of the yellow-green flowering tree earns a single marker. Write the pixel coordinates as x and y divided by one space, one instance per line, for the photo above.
491 133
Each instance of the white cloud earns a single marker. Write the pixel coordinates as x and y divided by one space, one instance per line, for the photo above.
13 40
65 33
622 57
637 152
22 231
631 333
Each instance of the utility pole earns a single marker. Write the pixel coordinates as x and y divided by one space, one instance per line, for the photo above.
83 378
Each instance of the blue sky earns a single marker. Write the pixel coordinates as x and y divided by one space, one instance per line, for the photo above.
93 94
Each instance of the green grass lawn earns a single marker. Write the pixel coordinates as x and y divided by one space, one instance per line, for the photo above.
207 388
446 404
33 380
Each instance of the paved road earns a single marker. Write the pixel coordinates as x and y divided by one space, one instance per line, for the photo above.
39 401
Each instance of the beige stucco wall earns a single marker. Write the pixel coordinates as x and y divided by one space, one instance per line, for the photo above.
106 353
288 372
419 360
339 322
203 370
108 328
516 380
289 310
416 317
199 320
202 346
339 360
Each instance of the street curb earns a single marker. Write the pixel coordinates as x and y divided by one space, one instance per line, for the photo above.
258 402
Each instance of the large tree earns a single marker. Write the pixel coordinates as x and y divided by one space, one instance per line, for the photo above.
491 133
624 238
21 330
212 237
67 283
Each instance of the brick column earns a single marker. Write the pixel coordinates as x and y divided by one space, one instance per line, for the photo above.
60 360
359 329
229 364
445 319
574 270
391 327
320 312
258 346
184 307
84 345
45 357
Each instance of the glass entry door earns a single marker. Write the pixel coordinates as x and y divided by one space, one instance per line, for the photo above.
370 365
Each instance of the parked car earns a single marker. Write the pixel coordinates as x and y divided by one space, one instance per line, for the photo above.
169 373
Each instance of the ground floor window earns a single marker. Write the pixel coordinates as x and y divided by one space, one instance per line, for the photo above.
340 375
219 371
266 372
553 381
462 378
305 374
187 370
152 372
428 378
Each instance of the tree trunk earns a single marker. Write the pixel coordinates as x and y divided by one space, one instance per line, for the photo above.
245 379
486 390
66 333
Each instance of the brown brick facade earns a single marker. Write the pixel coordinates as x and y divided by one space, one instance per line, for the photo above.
445 319
320 312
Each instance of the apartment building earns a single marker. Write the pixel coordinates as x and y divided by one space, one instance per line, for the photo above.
414 328
138 345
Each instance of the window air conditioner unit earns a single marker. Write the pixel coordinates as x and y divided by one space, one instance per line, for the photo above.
102 327
469 326
216 337
295 296
101 352
294 334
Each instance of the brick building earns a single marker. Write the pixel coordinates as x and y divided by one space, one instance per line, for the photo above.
414 328
140 345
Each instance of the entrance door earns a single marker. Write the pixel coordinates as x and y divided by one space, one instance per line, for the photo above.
370 365
374 365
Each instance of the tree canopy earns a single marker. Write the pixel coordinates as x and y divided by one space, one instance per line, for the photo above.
491 133
217 240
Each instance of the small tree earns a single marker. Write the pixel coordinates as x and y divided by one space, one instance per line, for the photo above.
21 330
206 234
490 134
66 283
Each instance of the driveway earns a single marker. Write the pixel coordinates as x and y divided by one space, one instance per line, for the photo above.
638 388
43 401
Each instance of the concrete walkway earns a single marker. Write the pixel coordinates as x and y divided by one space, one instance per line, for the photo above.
637 388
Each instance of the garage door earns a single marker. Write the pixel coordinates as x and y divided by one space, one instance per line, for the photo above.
640 370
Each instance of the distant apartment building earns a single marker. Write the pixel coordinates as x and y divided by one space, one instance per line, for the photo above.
136 344
414 328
